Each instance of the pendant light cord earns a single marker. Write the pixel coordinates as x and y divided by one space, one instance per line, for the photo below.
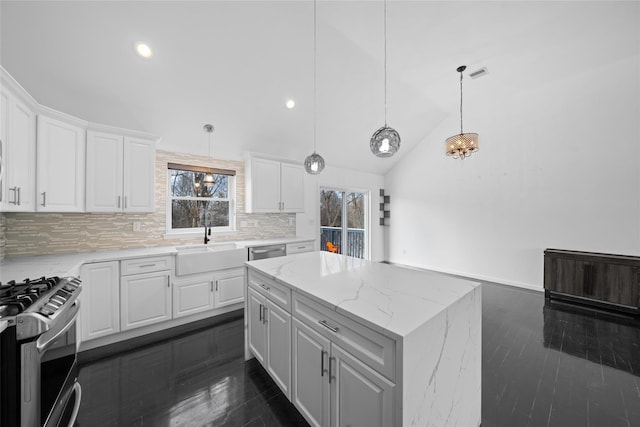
315 49
385 63
461 103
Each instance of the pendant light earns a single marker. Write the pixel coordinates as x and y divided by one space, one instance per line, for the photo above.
209 180
385 142
314 163
461 145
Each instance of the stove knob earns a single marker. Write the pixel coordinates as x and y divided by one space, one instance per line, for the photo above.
57 299
51 307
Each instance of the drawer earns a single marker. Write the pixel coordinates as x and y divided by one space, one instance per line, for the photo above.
145 265
296 248
372 348
276 292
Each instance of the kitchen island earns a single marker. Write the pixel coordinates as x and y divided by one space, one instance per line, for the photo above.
352 342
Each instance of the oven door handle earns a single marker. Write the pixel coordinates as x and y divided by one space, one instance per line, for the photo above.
42 346
76 405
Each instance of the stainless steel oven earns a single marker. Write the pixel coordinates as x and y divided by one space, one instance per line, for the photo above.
39 349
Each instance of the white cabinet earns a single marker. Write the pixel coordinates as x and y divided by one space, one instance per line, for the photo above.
100 299
229 287
309 388
120 173
270 337
145 297
331 387
300 247
273 186
193 294
17 154
61 165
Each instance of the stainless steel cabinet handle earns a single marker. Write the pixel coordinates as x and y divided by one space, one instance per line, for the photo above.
119 197
168 281
265 287
15 196
216 286
125 202
260 317
147 265
18 196
265 251
264 316
44 198
330 371
326 325
211 286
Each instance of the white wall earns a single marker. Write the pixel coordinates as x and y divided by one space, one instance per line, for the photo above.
558 165
308 223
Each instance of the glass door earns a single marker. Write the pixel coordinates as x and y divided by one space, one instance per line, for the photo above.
343 219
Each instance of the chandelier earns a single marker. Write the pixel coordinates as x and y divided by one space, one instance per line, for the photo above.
461 145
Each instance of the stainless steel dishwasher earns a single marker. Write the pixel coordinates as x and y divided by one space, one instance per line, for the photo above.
270 251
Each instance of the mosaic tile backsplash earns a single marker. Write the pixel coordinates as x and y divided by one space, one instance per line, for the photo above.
23 234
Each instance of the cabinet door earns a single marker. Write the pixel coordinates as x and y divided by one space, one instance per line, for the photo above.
18 169
310 381
279 346
104 172
229 287
100 299
292 187
257 330
359 396
139 175
192 295
145 299
264 189
60 161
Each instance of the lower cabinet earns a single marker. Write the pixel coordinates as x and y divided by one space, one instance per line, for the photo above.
201 292
330 387
270 337
229 287
100 305
145 299
192 294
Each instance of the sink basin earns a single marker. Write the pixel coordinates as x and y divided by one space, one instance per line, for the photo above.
195 259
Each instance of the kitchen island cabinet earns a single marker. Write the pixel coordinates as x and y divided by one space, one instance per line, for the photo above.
375 344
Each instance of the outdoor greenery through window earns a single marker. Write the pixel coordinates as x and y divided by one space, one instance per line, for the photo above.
196 202
343 217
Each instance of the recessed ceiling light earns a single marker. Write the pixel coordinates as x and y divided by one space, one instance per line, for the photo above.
290 104
144 50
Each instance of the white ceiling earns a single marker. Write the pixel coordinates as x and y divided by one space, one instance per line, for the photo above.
234 63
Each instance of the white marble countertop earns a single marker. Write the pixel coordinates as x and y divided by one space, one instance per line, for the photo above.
19 268
385 297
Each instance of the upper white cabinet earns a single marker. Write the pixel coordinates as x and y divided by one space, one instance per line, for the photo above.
17 154
60 161
120 173
273 186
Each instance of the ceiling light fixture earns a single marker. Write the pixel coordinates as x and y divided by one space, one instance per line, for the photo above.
290 104
314 163
144 50
385 142
209 179
461 145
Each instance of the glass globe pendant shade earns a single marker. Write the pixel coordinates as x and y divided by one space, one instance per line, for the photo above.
314 163
385 142
461 145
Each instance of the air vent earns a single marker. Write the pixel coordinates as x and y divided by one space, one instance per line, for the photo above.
479 73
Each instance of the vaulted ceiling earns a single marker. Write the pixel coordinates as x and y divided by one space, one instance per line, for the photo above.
234 63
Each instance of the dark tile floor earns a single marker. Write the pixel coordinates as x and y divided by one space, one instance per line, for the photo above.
541 366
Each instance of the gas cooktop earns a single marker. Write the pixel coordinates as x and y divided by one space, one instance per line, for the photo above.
15 298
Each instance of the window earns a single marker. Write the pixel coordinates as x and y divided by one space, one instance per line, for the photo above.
343 219
200 196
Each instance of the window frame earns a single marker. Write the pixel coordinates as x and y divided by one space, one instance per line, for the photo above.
231 198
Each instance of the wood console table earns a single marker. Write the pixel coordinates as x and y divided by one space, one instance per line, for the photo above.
602 280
